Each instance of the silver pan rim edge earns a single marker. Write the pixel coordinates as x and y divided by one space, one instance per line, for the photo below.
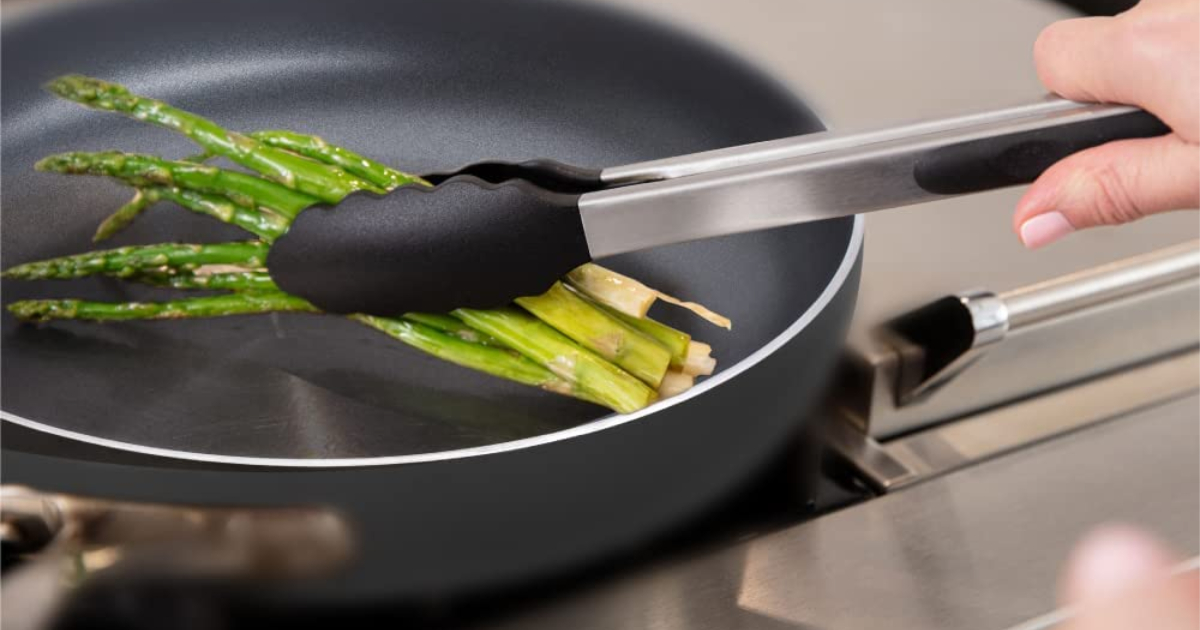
831 289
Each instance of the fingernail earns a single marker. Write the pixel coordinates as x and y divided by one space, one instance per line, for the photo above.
1045 229
1114 559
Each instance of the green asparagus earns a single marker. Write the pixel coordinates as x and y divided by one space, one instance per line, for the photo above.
452 326
325 182
262 223
489 359
214 306
132 209
676 341
600 332
148 170
588 372
124 215
594 344
129 261
618 292
203 278
316 148
626 295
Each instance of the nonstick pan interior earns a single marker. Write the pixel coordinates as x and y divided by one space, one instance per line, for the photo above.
425 86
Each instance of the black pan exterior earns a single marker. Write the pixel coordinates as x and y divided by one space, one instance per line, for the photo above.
428 87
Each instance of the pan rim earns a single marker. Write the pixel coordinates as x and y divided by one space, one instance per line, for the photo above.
832 288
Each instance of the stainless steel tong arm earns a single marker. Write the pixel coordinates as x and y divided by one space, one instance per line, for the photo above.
834 174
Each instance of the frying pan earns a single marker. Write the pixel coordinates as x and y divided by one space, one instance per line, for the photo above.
452 479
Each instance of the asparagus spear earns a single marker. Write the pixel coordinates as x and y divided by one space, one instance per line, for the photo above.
230 279
489 359
676 341
675 383
129 261
215 306
600 332
148 170
264 224
325 182
316 148
505 342
589 374
699 361
687 355
618 292
452 326
629 296
124 215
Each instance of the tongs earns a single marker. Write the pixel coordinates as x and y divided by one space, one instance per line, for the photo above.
493 231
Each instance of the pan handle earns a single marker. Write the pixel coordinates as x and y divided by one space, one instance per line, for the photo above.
51 536
954 332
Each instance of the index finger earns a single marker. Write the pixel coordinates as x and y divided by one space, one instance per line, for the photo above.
1075 59
1130 59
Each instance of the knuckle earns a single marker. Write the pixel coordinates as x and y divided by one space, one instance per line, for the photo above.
1155 39
1127 29
1139 40
1113 200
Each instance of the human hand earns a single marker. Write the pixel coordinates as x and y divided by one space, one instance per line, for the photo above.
1119 579
1148 56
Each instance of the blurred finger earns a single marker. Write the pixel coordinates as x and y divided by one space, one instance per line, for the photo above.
1111 560
1131 59
1118 577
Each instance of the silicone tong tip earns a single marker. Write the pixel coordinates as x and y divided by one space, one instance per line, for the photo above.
548 175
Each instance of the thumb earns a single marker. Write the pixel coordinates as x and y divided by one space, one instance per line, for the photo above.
1110 184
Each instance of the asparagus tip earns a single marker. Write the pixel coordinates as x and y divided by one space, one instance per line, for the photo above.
41 310
124 215
108 228
77 87
48 163
27 271
71 163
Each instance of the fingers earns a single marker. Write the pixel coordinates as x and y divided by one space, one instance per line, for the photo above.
1118 577
1145 57
1109 561
1111 184
1073 59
